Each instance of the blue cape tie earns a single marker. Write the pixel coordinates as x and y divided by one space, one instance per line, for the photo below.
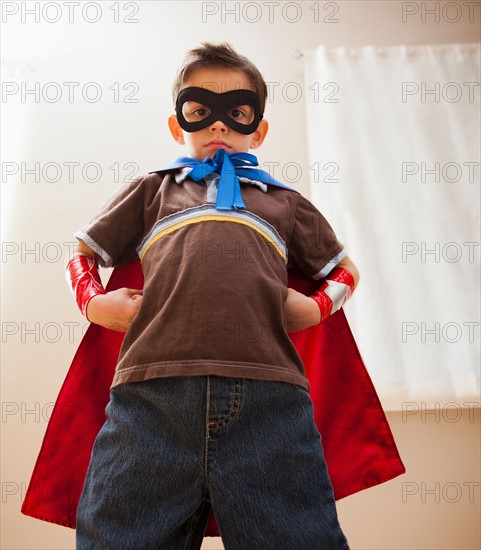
230 167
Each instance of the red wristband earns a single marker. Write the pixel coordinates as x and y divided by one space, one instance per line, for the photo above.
337 287
84 280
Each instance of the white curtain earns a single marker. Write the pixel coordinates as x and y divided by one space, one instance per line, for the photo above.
394 154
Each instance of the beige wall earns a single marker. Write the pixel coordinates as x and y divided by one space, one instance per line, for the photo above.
440 453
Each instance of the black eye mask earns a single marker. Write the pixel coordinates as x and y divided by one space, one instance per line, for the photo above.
208 107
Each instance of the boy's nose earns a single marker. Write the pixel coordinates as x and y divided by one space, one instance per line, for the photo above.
218 124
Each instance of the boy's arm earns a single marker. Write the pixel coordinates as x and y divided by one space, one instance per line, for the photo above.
303 311
312 241
114 310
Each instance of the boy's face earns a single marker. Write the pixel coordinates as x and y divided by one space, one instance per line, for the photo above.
217 80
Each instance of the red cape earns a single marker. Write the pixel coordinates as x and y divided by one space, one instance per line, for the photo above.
358 444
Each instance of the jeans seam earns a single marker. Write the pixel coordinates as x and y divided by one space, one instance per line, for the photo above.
233 411
206 442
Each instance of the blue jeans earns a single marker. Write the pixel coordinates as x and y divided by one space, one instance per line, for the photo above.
172 448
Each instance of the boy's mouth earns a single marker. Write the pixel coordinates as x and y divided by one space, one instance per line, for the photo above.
218 143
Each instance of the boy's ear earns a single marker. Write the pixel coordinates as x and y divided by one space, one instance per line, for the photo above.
259 134
176 130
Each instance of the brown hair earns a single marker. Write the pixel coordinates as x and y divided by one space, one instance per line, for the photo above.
219 55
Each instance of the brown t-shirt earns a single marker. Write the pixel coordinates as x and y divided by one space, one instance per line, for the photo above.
215 282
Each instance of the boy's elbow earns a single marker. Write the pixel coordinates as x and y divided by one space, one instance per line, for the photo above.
84 248
80 249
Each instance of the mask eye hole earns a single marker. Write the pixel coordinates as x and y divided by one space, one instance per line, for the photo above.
244 114
193 111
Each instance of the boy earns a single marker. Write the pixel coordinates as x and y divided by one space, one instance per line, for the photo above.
209 405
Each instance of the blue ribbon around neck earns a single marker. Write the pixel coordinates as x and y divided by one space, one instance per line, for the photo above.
230 166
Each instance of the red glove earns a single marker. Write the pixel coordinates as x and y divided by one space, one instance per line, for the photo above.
84 280
334 291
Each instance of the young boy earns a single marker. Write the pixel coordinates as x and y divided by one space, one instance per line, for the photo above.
209 406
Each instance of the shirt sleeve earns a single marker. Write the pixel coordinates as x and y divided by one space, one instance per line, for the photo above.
117 230
313 246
